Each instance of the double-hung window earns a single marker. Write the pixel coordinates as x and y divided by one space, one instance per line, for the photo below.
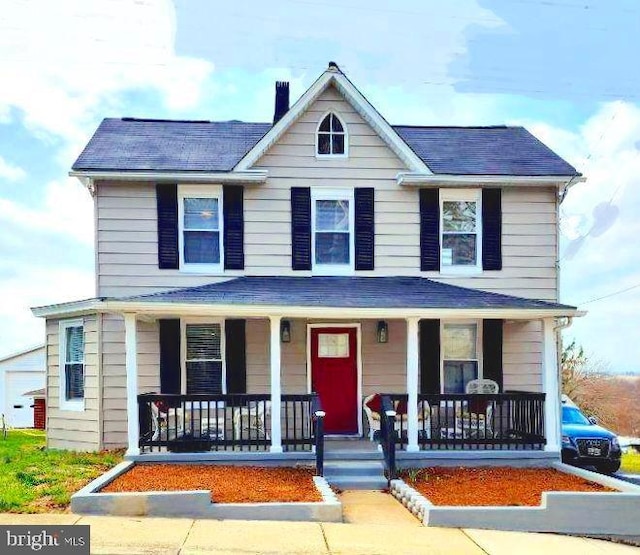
71 364
460 356
460 231
204 369
332 213
200 228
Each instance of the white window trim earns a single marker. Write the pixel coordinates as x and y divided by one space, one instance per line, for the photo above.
479 353
200 191
346 137
64 403
183 349
473 195
333 269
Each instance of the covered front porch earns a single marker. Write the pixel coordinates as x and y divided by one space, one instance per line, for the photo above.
314 351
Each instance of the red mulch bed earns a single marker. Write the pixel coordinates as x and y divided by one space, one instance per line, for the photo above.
494 486
228 484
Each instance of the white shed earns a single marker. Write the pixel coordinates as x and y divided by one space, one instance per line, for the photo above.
19 373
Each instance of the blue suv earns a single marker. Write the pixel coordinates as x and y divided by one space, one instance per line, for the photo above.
584 443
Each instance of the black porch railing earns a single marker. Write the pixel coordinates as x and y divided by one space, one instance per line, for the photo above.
512 420
199 423
388 437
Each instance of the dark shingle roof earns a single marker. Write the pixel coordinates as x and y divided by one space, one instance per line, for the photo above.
129 145
496 150
348 292
137 145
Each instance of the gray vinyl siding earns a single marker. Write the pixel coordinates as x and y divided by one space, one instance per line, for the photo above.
383 364
127 226
522 355
114 374
68 429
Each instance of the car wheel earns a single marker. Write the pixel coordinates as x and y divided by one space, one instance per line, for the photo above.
609 467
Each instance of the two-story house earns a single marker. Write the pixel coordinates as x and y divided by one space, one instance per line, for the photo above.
242 269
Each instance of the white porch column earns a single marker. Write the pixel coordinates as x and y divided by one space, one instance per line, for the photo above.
551 386
412 384
276 393
131 365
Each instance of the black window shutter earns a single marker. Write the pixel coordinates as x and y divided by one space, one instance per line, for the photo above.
364 228
167 203
492 351
232 205
430 356
235 355
491 229
429 230
170 368
301 228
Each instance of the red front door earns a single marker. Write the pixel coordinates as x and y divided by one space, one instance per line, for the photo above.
334 377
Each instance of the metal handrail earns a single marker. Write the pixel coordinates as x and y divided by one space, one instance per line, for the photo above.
318 432
388 437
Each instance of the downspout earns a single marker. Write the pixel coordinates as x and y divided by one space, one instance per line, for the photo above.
568 320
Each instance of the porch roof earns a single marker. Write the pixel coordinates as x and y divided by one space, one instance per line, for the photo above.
363 296
343 292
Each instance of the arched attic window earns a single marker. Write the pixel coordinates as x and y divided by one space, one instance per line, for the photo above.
331 137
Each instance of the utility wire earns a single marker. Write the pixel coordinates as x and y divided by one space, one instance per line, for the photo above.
609 295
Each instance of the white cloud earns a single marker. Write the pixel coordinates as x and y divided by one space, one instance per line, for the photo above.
46 257
33 285
64 68
10 172
600 229
67 210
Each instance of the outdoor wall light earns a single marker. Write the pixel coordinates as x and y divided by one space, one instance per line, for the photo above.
383 332
285 331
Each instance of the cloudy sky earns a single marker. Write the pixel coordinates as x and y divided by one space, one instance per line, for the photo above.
563 68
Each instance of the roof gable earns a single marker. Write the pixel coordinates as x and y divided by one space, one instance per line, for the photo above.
299 141
333 76
22 353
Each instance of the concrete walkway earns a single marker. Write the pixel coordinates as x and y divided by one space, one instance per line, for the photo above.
374 507
115 535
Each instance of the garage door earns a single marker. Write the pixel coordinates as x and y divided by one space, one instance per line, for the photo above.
19 411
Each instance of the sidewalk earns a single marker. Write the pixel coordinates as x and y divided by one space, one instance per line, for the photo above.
115 535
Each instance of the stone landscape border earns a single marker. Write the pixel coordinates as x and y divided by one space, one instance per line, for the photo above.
607 513
197 503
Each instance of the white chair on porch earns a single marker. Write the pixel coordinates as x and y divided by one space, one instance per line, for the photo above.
371 407
476 420
251 417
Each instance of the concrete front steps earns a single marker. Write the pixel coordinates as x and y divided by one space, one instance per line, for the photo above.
355 474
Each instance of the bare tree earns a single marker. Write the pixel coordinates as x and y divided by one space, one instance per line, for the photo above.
610 398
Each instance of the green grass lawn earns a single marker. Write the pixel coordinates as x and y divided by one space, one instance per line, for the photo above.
36 480
631 463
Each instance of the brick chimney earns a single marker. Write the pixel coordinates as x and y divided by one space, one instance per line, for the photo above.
282 100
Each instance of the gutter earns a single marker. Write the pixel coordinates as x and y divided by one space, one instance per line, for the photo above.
263 311
246 176
573 181
421 179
